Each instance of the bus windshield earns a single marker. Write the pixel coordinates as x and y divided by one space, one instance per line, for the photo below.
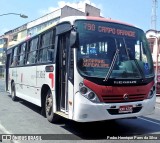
98 44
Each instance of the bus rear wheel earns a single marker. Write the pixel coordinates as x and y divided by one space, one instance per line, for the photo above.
49 108
13 92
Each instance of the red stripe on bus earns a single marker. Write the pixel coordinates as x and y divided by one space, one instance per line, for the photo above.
51 76
117 92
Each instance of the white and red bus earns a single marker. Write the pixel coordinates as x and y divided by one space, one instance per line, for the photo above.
84 69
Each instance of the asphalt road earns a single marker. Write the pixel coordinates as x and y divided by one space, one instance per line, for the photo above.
22 117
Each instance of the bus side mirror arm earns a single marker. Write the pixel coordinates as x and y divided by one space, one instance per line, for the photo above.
73 37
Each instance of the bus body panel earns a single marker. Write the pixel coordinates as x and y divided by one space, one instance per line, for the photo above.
29 84
47 78
70 99
26 83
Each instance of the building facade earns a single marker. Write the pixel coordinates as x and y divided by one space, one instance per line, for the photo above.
153 37
3 48
20 33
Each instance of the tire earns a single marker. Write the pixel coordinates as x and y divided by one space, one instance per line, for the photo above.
51 117
13 92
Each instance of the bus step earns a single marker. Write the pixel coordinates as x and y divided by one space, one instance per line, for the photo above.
62 114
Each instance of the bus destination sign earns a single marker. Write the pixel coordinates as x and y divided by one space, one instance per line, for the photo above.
109 30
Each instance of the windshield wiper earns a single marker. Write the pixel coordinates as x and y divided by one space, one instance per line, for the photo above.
112 65
139 68
126 49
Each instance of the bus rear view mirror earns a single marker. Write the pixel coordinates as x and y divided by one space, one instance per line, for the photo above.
73 37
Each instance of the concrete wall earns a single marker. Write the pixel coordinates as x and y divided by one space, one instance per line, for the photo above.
88 11
92 11
68 11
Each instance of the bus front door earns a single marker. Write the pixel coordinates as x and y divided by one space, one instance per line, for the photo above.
63 46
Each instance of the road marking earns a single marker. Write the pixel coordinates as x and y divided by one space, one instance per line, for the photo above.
149 121
3 129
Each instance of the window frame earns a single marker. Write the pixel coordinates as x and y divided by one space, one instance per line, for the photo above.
22 52
30 50
45 47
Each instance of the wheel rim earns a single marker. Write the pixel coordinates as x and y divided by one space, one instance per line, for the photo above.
49 102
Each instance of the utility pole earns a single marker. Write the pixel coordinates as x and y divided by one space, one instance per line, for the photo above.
154 14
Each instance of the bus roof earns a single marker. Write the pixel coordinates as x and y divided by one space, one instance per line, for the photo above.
71 19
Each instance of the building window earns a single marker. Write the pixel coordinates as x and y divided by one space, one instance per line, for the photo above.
24 34
14 37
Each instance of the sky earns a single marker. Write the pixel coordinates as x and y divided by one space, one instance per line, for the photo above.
135 12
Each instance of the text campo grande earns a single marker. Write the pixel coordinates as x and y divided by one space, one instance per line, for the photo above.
109 30
116 31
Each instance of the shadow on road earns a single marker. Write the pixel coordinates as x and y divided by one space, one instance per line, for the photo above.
29 105
100 130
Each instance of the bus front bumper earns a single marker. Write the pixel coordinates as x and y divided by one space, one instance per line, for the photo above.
87 111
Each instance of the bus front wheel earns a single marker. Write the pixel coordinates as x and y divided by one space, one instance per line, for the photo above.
13 92
49 108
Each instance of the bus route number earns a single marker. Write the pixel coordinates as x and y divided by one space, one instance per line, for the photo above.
89 26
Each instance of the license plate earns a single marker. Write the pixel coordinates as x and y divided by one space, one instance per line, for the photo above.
126 109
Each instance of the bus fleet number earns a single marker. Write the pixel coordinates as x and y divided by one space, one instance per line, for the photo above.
40 74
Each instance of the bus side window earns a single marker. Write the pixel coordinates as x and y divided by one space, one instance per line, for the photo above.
21 57
46 50
14 57
32 51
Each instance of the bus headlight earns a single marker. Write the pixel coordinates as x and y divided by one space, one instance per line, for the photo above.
83 90
89 94
152 92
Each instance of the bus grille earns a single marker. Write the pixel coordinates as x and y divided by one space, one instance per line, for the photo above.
120 98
